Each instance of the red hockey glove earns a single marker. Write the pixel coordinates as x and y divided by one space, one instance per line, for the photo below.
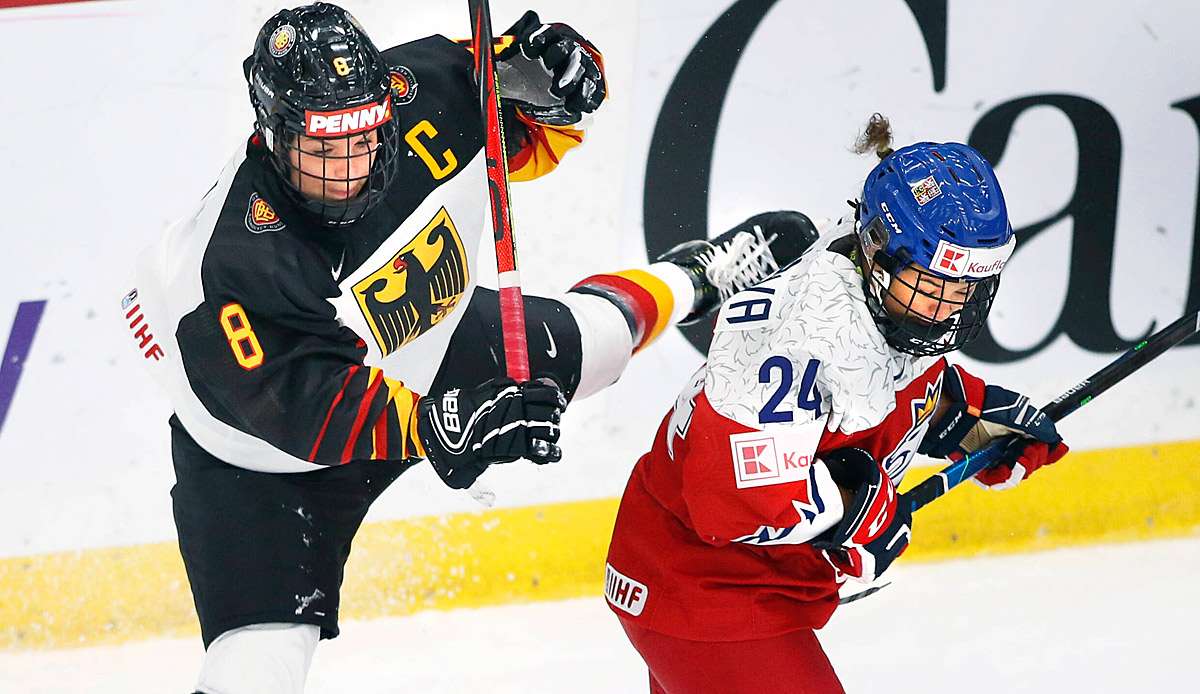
1021 459
875 527
979 413
553 74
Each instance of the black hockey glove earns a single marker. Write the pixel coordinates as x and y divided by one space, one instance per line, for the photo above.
978 413
551 73
464 431
876 525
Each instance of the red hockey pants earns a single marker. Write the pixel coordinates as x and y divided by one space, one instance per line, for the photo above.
791 663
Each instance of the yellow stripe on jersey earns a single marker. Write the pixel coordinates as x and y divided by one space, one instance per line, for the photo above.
660 291
406 415
545 149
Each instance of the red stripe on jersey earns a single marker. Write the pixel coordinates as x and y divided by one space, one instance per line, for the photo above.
312 457
361 417
379 431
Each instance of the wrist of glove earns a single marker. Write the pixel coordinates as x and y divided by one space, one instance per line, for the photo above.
464 431
551 73
875 528
978 414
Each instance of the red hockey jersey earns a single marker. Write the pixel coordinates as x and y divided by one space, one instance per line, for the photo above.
710 541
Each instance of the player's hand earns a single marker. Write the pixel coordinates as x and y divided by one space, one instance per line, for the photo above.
979 413
463 431
1022 457
553 74
875 527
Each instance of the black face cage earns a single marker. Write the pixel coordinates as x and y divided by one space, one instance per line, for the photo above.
904 328
334 178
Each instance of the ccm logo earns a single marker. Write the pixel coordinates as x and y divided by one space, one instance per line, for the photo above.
347 121
623 592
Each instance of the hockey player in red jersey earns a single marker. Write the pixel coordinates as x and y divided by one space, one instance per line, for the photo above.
318 313
773 479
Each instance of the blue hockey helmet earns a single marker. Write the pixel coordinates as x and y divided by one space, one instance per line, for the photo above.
934 233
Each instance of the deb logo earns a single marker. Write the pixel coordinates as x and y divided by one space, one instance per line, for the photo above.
417 287
624 593
282 40
761 459
261 217
347 121
404 85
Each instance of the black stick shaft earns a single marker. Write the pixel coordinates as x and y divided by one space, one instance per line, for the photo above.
1076 397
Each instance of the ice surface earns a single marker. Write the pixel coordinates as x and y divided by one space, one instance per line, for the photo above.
1100 619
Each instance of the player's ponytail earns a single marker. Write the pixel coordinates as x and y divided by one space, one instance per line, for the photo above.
876 137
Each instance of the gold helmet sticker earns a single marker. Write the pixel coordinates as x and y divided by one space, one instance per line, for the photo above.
418 287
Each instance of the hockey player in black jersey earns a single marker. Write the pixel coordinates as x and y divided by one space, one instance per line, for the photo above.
319 327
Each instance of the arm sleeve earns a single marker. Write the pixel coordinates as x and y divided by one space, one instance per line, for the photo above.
265 354
533 149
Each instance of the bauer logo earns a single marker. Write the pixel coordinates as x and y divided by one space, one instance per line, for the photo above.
624 593
347 121
761 459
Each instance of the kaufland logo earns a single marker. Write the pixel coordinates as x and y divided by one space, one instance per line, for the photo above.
979 269
347 121
763 459
756 460
951 260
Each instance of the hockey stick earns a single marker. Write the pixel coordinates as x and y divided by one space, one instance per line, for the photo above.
1075 397
512 304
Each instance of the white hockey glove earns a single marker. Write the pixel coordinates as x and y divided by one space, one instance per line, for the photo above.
465 431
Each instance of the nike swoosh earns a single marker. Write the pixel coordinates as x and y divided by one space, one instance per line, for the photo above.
553 351
337 271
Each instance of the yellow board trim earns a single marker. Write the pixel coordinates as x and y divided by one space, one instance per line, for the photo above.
557 551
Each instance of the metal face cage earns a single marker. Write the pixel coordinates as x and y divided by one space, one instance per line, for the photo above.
337 179
919 311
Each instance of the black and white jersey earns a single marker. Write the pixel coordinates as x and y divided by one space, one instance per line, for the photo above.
285 345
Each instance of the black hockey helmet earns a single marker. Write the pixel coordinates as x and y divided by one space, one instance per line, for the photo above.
315 74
